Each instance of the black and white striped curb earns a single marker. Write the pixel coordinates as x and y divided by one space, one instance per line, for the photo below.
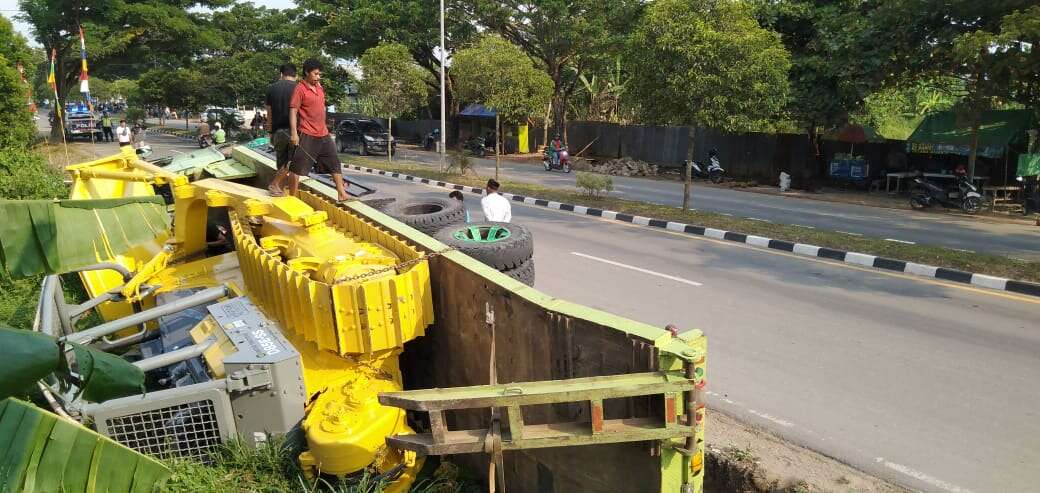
861 259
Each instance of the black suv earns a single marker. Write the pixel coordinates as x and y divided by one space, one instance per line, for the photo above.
364 136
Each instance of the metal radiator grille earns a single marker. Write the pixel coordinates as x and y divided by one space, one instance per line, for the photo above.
187 430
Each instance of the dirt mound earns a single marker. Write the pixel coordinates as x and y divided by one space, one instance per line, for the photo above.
626 166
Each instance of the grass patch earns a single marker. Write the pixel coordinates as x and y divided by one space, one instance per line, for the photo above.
995 265
273 468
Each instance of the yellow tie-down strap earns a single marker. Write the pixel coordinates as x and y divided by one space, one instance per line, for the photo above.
350 317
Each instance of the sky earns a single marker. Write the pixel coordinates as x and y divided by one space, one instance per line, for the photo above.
9 9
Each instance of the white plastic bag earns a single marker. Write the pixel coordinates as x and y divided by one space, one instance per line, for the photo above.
785 181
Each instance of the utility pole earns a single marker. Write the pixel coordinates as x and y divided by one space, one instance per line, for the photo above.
444 60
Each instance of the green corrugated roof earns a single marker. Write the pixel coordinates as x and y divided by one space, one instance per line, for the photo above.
998 128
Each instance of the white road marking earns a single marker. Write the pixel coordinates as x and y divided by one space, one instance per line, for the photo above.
849 233
900 241
638 269
759 220
774 419
804 226
962 250
936 482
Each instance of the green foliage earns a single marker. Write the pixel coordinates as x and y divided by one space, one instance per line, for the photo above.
895 112
181 88
25 174
17 129
499 75
708 63
460 162
594 185
392 80
600 96
14 47
566 37
116 89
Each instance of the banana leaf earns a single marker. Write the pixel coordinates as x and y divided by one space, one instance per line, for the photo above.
28 357
106 376
57 236
50 454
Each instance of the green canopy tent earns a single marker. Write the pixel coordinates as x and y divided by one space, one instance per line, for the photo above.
1000 131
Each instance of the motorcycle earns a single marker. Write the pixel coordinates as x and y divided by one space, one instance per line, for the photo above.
712 171
431 139
964 195
562 160
476 145
205 141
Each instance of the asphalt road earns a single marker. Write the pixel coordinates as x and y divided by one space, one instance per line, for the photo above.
927 384
929 228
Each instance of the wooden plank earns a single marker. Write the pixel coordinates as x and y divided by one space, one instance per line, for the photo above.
541 392
516 421
437 426
543 436
596 412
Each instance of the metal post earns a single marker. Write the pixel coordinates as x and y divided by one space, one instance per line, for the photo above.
686 184
444 60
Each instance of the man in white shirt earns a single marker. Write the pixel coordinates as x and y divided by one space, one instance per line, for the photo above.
123 134
496 207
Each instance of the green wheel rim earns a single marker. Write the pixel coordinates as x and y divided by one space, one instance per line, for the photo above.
482 234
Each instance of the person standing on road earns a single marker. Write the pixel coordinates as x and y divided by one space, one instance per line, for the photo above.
277 105
123 134
496 207
308 131
106 126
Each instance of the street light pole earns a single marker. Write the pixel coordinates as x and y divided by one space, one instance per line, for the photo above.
444 59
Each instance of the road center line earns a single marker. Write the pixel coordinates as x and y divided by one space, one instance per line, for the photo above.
638 269
900 241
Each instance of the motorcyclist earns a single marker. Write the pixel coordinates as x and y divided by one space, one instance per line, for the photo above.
219 136
554 149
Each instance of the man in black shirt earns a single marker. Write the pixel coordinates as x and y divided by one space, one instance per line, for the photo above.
277 102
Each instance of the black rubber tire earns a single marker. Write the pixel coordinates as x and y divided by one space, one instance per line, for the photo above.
918 201
379 204
504 255
428 215
524 273
715 177
341 146
971 205
362 149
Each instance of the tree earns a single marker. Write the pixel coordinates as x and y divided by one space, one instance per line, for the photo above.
123 38
393 81
499 75
180 88
346 28
567 37
16 125
707 62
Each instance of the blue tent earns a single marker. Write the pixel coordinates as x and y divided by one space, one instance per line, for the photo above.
478 110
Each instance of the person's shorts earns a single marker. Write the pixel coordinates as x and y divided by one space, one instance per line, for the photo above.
320 150
282 147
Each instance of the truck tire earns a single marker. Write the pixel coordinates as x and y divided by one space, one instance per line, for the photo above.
524 273
503 246
428 215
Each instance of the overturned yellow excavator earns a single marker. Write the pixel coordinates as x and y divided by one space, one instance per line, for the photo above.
256 316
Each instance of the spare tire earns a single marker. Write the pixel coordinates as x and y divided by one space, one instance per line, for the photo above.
503 246
524 273
428 214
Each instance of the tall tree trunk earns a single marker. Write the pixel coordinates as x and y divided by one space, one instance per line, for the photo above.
545 124
390 139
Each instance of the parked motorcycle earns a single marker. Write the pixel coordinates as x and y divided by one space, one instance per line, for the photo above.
711 171
431 139
963 195
476 145
561 161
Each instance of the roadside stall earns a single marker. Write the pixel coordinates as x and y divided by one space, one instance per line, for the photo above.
942 143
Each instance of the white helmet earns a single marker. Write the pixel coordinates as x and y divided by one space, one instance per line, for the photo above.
217 124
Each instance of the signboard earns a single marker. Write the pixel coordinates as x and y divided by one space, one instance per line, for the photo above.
991 152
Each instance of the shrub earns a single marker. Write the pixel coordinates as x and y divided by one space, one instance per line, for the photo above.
594 184
24 174
459 162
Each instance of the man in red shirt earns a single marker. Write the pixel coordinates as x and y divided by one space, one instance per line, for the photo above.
307 131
